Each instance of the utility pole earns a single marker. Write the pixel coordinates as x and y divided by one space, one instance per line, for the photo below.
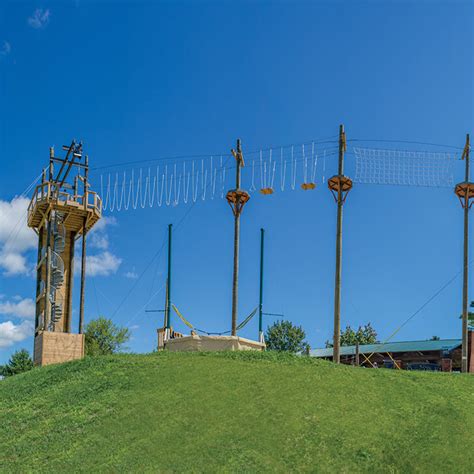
260 304
465 192
236 199
168 284
339 186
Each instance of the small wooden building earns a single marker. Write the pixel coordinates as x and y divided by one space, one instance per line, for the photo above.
441 355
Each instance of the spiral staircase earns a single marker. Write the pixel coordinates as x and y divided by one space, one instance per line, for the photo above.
58 236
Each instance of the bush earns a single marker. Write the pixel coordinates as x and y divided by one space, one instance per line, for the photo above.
284 336
103 337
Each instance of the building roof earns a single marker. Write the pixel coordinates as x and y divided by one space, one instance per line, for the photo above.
403 346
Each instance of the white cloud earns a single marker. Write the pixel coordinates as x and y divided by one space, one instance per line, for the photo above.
99 241
39 19
16 237
13 263
5 49
99 238
11 333
14 233
103 223
132 275
20 308
103 264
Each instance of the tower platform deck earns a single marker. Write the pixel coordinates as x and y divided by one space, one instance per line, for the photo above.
75 207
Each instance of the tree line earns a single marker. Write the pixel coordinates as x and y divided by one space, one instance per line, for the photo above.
103 337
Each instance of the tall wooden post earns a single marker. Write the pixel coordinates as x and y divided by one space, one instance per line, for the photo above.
236 199
339 185
39 274
70 284
465 192
260 304
85 200
83 278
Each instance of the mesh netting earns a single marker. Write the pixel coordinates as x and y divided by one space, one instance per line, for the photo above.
404 168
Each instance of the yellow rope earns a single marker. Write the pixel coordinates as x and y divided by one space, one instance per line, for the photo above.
394 361
185 321
367 359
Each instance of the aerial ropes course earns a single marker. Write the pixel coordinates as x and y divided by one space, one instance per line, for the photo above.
273 170
298 166
171 184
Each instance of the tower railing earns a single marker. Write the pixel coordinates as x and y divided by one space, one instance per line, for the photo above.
46 192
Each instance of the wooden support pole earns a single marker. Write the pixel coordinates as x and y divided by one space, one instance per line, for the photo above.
337 286
465 291
83 278
235 276
70 282
83 252
39 274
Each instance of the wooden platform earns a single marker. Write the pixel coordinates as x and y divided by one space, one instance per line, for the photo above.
57 347
75 208
213 343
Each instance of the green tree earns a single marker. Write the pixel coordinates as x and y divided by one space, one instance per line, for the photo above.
470 315
103 337
19 362
364 335
434 338
284 336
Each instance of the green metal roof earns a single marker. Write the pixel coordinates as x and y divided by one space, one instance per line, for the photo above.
403 346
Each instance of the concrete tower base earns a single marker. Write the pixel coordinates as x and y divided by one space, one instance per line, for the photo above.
57 347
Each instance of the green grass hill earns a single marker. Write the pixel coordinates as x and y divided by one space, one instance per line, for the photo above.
227 412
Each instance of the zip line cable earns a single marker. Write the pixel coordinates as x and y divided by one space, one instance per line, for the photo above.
130 321
16 229
140 277
423 306
330 139
410 142
31 185
209 155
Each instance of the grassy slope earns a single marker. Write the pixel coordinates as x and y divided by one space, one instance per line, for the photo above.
234 411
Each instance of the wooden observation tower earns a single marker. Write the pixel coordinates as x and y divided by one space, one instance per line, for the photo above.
62 209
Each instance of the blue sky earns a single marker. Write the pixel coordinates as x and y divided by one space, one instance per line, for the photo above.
141 81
